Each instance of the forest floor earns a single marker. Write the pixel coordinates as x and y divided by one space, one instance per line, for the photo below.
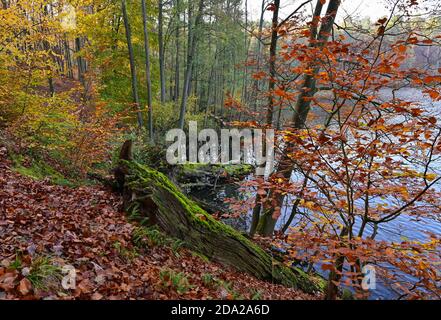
44 227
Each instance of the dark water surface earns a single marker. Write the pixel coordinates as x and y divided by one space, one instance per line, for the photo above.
401 229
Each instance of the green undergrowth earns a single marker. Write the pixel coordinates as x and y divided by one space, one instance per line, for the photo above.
177 281
144 178
31 165
146 237
39 170
233 170
214 282
44 274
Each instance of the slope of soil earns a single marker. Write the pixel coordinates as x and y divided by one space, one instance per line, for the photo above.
44 225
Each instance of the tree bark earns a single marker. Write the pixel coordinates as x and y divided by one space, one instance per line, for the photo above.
268 221
177 31
244 97
147 71
189 67
156 197
259 53
68 58
132 64
272 63
161 50
47 47
256 222
80 64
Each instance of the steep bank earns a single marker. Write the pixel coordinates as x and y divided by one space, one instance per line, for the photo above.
44 227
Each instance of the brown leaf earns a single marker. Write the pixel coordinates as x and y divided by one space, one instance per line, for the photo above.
25 286
329 267
97 296
382 21
85 286
7 281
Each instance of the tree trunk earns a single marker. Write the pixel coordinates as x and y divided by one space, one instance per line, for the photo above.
80 67
244 97
132 64
189 67
210 89
147 70
47 48
259 53
268 221
272 63
256 223
156 197
68 58
161 50
335 274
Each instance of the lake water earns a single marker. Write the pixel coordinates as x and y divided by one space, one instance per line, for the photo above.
401 229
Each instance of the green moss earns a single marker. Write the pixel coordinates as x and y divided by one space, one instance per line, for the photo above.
39 170
190 167
347 294
200 256
238 169
148 180
314 282
233 170
208 279
143 179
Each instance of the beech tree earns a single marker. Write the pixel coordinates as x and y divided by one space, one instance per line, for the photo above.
189 66
369 162
134 78
147 71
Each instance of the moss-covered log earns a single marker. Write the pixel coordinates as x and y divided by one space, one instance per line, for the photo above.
155 196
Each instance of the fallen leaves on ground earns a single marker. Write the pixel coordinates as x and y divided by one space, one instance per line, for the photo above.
85 227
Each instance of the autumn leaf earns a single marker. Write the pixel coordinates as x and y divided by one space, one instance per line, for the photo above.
7 280
85 286
259 75
97 296
389 252
382 21
24 286
434 95
327 267
432 120
271 7
402 48
201 217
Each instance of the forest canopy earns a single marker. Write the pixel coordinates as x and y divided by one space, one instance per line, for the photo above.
344 99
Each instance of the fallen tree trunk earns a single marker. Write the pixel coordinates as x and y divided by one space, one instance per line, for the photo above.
154 196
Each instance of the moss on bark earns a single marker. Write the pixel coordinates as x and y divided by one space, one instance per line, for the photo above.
165 205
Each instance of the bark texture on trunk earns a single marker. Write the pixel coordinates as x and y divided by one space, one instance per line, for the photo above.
308 88
189 67
134 79
147 70
156 197
161 50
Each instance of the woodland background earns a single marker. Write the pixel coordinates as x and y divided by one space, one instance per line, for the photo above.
354 102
